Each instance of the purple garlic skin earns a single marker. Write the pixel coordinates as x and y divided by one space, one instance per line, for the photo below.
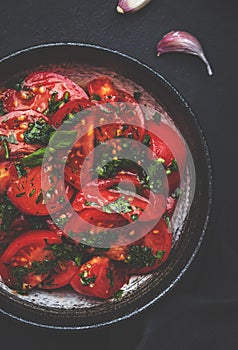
127 6
179 41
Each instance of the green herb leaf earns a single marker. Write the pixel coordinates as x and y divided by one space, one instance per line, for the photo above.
147 140
96 97
118 295
20 194
20 170
159 254
137 95
157 117
34 159
86 281
177 193
140 256
2 110
134 217
6 149
63 139
8 212
110 277
119 206
38 132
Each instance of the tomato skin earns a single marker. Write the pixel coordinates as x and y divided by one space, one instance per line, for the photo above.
124 96
171 205
60 276
102 286
167 144
26 194
14 124
104 88
56 83
73 106
25 100
158 239
151 210
37 91
78 157
8 174
25 249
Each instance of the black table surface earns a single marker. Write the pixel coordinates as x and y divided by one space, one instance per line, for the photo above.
201 311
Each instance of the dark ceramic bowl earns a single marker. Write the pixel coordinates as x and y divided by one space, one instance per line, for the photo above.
65 309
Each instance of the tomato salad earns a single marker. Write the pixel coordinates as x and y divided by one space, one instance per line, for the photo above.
36 250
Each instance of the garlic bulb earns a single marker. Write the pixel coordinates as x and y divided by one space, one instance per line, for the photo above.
178 41
127 6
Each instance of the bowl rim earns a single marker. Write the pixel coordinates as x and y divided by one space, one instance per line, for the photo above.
206 152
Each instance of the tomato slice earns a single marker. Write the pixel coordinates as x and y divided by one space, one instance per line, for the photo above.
28 196
8 174
124 96
25 100
73 106
55 83
129 205
23 264
60 276
78 157
13 126
169 146
42 91
102 89
159 240
99 277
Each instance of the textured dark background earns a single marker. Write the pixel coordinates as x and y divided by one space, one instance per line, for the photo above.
201 312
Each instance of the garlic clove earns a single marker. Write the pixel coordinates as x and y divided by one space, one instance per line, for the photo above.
127 6
178 41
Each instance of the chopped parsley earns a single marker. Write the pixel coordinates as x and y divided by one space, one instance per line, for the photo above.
137 95
96 97
147 140
86 281
20 194
140 256
134 217
2 110
38 132
159 254
110 277
119 206
153 177
177 193
20 170
39 198
55 104
118 295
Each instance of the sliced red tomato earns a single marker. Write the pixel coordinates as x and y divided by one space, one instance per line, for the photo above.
41 92
159 240
60 276
124 96
8 174
102 89
99 277
12 128
120 120
129 206
28 196
24 263
169 146
25 100
55 83
73 106
171 205
78 157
